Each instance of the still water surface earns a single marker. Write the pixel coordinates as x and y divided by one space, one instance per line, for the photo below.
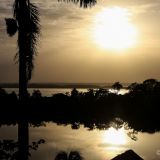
93 145
50 91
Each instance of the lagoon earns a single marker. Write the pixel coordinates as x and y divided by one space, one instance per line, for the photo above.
93 145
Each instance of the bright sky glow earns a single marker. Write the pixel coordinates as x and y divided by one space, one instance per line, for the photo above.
114 30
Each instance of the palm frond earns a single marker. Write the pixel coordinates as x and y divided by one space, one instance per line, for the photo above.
34 24
33 35
16 59
87 3
11 26
32 31
31 53
32 38
16 9
82 3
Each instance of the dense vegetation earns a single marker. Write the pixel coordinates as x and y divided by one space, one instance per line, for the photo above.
95 108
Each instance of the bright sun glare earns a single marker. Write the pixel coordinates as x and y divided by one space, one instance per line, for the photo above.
115 137
114 30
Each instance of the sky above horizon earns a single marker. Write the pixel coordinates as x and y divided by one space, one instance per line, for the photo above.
73 46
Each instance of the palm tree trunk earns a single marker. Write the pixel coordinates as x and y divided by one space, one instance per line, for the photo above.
23 139
22 67
23 130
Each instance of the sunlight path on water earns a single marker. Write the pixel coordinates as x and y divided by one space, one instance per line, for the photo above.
93 145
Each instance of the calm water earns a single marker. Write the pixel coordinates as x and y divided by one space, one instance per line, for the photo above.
51 91
93 145
46 91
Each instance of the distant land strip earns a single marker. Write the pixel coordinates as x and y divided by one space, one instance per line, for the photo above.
62 85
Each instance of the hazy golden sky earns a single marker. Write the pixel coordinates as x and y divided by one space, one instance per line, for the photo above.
68 51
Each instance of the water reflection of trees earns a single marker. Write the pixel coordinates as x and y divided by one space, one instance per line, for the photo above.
73 155
137 111
9 149
95 108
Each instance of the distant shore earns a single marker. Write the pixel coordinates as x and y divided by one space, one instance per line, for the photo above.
62 85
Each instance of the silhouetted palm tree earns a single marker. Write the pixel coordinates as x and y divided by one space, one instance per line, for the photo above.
73 155
26 21
82 3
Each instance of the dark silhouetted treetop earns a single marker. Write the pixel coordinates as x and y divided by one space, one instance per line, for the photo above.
73 155
82 3
29 17
117 86
36 94
149 86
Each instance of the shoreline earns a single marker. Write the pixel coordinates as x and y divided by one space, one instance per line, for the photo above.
63 85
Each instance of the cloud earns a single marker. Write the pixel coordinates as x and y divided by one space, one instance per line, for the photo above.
107 145
149 8
6 5
66 41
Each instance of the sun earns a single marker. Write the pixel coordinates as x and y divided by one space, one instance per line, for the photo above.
113 29
115 137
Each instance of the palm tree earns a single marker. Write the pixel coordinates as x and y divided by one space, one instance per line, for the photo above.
26 21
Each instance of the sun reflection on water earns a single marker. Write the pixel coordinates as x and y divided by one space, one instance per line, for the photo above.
115 137
115 141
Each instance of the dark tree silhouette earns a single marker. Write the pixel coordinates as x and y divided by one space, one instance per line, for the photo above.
149 85
26 21
9 149
82 3
73 155
117 86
